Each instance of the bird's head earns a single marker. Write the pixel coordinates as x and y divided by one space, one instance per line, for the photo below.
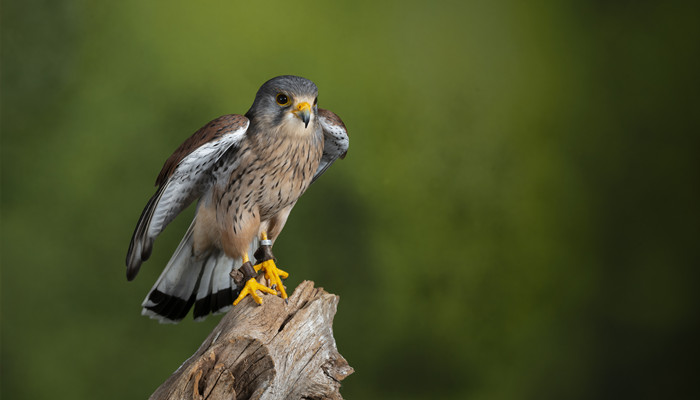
286 101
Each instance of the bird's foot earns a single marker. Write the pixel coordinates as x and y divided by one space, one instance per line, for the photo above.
249 289
273 275
251 285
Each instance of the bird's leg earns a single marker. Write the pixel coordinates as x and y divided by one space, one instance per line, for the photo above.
251 284
266 262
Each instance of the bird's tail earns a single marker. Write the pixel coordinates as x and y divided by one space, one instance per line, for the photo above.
203 281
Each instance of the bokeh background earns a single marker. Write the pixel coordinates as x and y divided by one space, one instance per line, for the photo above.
517 218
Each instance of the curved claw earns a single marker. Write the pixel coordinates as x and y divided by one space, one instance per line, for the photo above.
249 289
273 274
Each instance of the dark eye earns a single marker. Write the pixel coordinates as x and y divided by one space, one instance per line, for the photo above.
282 99
315 100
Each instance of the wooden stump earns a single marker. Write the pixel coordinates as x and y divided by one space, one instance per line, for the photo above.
272 351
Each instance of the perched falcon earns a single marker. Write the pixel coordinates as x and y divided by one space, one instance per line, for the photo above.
247 172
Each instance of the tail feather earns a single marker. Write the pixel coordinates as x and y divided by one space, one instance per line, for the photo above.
202 304
206 279
203 281
180 274
166 308
216 294
187 280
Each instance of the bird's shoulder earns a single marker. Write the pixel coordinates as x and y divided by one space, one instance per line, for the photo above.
211 132
330 118
335 132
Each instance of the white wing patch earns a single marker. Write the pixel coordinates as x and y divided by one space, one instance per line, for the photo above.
336 143
190 179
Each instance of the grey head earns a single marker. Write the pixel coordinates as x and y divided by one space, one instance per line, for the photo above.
283 99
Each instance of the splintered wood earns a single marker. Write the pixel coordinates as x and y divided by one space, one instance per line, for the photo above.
272 351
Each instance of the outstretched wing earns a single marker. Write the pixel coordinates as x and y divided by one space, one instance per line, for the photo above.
336 140
185 176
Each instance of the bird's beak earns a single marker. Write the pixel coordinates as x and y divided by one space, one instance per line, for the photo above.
303 111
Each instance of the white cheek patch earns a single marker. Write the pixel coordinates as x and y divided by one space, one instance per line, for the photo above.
294 126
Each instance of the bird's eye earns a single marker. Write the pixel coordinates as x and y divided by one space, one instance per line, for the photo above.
282 99
316 100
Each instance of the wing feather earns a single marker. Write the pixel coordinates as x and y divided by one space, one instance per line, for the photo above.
186 175
336 140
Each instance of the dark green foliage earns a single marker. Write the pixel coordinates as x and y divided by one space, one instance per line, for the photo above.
517 217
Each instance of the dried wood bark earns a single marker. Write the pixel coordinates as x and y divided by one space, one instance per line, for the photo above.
272 351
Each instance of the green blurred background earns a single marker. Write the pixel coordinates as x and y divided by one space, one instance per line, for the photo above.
517 218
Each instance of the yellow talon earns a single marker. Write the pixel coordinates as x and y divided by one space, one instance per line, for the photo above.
273 275
249 289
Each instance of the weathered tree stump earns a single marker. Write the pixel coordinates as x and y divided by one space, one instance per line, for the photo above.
272 351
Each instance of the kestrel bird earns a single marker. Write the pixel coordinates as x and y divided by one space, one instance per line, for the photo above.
247 172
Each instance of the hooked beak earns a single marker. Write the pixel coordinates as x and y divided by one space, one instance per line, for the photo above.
303 111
